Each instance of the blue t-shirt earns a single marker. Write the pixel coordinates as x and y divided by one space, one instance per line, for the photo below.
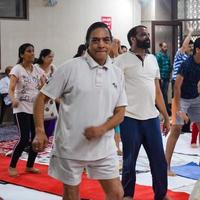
190 71
178 59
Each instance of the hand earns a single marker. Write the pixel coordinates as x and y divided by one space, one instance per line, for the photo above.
166 127
15 103
183 116
190 29
40 142
94 132
42 81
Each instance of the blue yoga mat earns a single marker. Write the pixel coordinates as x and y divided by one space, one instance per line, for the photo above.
190 170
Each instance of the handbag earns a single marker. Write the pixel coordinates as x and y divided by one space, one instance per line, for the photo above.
50 110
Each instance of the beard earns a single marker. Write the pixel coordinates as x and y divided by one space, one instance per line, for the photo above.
143 44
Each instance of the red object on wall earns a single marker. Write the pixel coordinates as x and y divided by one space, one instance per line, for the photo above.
107 21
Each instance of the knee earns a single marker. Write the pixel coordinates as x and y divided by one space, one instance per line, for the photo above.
71 192
70 196
175 131
116 194
23 143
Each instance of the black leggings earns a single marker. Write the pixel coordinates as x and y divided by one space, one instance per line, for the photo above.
26 128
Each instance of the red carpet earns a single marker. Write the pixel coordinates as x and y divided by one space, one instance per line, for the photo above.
90 189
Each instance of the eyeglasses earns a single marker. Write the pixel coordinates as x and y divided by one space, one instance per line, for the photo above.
95 40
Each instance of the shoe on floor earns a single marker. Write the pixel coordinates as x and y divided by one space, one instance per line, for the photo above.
12 172
32 170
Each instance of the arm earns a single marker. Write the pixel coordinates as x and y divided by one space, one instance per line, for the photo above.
13 82
40 141
115 48
185 44
161 106
98 131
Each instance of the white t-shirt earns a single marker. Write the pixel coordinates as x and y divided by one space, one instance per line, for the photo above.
52 69
140 84
26 88
50 109
89 94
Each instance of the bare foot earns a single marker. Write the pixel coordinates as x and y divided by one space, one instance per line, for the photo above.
12 172
32 170
166 198
194 145
170 173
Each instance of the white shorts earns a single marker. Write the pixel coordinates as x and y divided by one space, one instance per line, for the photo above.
70 171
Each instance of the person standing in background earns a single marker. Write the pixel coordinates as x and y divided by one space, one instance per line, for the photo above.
164 64
45 63
186 100
180 56
4 90
124 49
25 83
141 125
81 51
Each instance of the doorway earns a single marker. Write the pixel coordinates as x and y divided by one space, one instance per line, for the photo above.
169 32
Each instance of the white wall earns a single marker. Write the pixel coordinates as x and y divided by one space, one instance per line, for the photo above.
63 27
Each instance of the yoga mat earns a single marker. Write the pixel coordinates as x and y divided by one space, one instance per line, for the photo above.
89 189
190 170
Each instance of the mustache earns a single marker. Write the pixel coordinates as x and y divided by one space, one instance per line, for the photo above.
147 40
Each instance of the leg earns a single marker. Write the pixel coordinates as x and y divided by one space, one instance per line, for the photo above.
69 172
24 129
32 155
49 126
131 140
171 142
155 152
112 188
71 192
3 109
195 131
164 89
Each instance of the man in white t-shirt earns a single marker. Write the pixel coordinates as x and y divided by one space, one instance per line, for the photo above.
141 125
93 102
